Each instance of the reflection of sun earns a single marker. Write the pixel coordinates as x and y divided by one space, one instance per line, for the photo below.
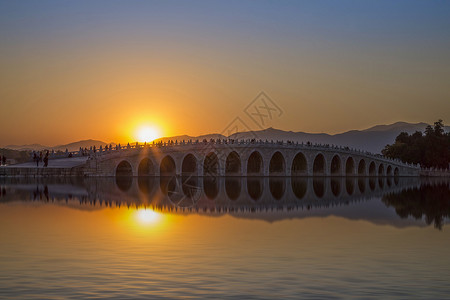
147 216
147 134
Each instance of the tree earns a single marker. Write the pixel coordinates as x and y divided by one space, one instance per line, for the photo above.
431 149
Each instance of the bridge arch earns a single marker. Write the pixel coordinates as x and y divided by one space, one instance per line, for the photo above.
167 166
350 166
335 168
396 172
146 167
389 170
277 165
189 165
362 168
381 170
233 164
319 165
124 169
255 164
299 165
211 165
372 169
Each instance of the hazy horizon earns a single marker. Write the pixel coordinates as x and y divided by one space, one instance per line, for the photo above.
211 133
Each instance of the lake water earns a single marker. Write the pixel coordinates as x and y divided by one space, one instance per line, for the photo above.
255 238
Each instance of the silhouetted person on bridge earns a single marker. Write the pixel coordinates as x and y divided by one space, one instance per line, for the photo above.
36 159
4 160
46 160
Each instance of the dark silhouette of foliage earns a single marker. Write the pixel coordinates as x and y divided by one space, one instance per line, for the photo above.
429 149
429 201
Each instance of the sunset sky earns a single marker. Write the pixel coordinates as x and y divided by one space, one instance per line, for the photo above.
72 70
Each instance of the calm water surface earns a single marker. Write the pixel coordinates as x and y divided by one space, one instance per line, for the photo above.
256 238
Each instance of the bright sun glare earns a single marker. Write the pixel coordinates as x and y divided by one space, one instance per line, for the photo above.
147 216
147 134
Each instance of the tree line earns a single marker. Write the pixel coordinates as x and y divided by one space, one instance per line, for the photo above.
430 148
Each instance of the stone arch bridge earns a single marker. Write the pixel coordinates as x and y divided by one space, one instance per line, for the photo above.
242 158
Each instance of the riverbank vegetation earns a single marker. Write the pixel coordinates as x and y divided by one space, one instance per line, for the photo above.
430 148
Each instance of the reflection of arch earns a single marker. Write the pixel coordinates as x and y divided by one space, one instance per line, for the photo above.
211 164
335 186
277 187
189 165
277 164
168 185
362 167
380 182
299 186
146 184
319 165
254 188
145 167
124 182
190 186
372 184
167 166
233 164
381 170
319 187
299 165
372 169
335 168
255 164
232 188
350 166
361 185
124 169
389 170
210 187
389 181
349 186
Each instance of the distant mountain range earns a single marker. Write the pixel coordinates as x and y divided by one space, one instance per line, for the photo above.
70 147
372 139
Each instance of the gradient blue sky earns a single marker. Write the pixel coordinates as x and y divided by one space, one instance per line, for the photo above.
73 70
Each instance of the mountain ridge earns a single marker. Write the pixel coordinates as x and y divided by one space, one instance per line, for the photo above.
372 139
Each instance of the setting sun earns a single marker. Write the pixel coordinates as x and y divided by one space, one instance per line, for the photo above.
147 134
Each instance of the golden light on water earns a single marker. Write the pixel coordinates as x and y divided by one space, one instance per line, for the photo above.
147 134
147 216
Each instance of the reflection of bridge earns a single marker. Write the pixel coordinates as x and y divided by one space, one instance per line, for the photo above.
268 198
242 158
210 193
